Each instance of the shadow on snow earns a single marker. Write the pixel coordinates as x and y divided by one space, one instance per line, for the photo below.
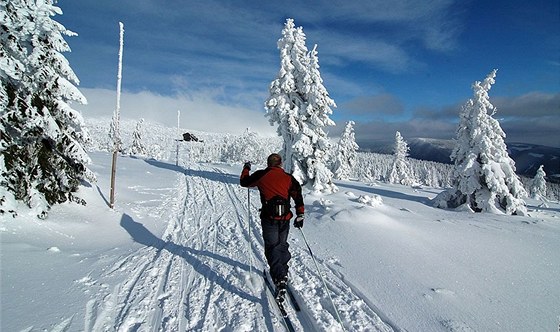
389 193
209 175
142 235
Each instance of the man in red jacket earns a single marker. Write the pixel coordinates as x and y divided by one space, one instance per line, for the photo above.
276 187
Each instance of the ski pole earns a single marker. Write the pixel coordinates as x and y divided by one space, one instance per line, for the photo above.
249 230
322 279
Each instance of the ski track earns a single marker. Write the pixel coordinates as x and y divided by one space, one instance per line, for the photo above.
197 276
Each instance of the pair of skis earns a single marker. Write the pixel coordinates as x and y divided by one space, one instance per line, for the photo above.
280 305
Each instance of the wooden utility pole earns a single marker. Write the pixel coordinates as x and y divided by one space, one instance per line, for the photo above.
116 137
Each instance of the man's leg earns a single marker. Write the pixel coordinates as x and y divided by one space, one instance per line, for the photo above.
275 235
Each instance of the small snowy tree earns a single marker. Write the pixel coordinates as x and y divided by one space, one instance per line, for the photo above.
41 136
485 176
115 141
137 145
345 154
300 105
538 185
400 172
244 147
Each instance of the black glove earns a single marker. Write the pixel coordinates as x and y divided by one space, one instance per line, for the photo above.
298 222
247 165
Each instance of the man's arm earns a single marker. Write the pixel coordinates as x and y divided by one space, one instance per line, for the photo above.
295 193
246 180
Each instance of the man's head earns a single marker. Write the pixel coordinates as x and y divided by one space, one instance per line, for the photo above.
274 160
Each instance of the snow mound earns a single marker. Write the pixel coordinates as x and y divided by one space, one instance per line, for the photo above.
374 200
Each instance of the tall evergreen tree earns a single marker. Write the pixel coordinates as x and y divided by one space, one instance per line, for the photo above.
484 173
300 105
345 155
137 145
285 98
400 172
41 136
538 184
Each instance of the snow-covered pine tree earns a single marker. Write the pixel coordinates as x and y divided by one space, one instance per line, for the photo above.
115 141
244 147
400 171
137 147
41 136
285 100
300 105
13 56
484 173
319 109
345 155
538 185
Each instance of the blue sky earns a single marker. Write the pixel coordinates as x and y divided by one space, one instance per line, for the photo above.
389 65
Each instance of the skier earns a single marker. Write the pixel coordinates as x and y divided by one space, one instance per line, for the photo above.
276 187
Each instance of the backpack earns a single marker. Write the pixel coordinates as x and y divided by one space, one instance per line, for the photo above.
277 207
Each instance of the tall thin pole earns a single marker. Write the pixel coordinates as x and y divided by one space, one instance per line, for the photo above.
177 139
249 230
116 137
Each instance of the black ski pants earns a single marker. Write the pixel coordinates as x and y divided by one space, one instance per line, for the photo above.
275 235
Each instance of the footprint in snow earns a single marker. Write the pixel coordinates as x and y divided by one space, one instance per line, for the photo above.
443 291
440 291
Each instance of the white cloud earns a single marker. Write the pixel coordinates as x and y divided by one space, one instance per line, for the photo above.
197 112
533 104
340 48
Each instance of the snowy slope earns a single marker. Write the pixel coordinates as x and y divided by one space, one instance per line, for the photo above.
182 252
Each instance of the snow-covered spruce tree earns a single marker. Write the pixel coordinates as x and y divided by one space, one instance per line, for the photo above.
400 171
115 141
41 136
345 154
137 147
243 148
318 110
538 185
300 105
484 176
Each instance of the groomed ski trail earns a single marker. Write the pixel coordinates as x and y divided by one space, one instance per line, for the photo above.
196 277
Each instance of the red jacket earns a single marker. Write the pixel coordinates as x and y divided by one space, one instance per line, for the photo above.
274 181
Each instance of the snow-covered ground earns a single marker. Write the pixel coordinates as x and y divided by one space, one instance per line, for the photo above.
181 251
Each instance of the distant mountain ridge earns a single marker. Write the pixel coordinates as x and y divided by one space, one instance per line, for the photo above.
527 157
